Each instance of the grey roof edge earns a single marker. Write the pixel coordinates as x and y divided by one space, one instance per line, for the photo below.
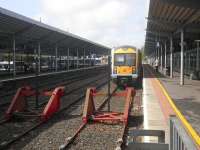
40 24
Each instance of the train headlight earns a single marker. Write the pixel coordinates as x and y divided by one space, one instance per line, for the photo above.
133 70
115 70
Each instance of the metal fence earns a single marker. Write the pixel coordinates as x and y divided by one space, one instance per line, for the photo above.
133 134
190 61
179 138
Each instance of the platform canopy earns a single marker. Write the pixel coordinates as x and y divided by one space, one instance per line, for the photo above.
28 33
167 18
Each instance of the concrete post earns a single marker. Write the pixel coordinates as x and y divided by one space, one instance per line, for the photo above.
14 58
171 57
56 62
182 59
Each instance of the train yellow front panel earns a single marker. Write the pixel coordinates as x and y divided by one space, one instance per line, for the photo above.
124 70
124 51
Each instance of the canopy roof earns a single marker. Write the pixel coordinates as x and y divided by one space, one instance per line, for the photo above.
168 17
28 33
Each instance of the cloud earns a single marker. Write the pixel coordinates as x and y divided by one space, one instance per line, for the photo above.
110 22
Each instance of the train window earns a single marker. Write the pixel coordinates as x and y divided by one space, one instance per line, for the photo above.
130 59
125 59
119 59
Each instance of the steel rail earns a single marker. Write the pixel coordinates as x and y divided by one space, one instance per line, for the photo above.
70 81
65 94
40 123
68 142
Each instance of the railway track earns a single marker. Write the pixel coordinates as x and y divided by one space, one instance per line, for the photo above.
99 136
32 124
7 93
70 140
49 84
94 136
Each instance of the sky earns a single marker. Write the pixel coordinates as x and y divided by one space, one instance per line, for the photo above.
108 22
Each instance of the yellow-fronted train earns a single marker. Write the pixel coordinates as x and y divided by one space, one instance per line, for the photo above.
126 66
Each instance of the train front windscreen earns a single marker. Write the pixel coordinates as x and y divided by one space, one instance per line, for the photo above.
125 59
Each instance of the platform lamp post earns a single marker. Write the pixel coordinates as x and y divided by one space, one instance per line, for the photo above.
197 57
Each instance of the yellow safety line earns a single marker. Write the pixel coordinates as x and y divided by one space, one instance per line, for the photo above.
187 125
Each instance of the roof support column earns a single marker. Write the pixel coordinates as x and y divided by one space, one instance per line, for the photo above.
161 57
157 53
197 58
189 62
9 59
37 77
60 64
39 57
77 61
90 59
51 61
158 50
182 59
84 57
14 58
165 57
68 59
56 61
171 57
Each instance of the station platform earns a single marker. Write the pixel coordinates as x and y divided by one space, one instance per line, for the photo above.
186 98
163 97
155 117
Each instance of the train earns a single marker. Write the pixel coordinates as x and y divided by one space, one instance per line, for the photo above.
126 65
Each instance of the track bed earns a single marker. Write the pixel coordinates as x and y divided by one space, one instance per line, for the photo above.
16 128
96 136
